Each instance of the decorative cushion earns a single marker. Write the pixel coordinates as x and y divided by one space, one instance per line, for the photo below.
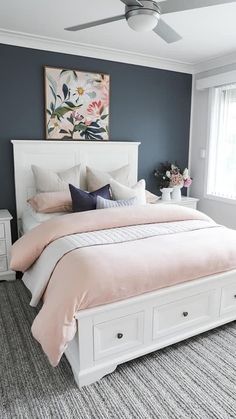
85 201
49 181
49 202
109 203
120 191
97 179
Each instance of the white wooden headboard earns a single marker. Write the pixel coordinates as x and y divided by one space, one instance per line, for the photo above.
61 155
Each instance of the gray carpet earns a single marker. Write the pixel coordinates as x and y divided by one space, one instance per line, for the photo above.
193 379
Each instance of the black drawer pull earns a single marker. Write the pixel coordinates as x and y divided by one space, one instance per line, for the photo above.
119 335
185 313
234 296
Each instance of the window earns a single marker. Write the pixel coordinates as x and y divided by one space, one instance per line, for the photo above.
221 180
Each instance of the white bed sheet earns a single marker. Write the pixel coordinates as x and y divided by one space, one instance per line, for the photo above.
28 221
31 219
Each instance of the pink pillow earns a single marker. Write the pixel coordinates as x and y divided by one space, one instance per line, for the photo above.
48 202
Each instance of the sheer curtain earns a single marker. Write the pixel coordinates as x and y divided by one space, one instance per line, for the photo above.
222 151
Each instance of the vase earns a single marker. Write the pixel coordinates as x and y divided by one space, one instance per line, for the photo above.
165 194
176 194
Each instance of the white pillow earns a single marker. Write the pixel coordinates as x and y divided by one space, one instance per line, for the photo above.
97 179
120 191
151 198
48 181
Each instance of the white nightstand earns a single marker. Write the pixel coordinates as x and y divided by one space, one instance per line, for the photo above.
185 202
5 246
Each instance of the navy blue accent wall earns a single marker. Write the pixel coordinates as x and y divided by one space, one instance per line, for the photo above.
148 105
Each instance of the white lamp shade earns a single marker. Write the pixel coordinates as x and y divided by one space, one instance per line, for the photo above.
142 22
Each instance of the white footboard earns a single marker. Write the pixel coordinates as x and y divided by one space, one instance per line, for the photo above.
115 333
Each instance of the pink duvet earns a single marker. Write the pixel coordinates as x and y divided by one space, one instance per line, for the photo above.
92 276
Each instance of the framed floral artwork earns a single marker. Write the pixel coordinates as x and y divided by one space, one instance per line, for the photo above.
76 104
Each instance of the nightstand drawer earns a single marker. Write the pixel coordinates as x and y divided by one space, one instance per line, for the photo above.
188 204
5 245
3 264
2 230
2 247
184 202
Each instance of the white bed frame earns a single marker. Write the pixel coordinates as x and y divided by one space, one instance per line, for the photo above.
115 333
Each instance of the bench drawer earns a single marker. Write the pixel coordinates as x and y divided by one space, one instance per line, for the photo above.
228 299
184 313
118 335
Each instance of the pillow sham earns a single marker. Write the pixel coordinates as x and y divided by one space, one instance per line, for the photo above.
49 181
120 191
97 179
109 203
50 202
86 201
151 198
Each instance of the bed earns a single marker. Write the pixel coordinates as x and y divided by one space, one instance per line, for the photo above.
135 293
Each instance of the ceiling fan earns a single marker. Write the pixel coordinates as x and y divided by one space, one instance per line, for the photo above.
145 15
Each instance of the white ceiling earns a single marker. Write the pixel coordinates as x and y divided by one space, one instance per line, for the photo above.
207 32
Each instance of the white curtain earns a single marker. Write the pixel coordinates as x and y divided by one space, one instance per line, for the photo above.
223 139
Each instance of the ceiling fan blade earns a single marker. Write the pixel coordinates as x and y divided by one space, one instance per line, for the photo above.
95 23
132 2
171 6
166 32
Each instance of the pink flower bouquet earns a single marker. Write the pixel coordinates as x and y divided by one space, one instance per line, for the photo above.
170 175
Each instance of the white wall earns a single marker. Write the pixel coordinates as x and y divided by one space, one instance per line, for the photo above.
221 212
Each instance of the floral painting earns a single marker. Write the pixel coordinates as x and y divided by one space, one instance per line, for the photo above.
77 104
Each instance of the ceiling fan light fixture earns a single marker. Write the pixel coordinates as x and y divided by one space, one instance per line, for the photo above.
142 20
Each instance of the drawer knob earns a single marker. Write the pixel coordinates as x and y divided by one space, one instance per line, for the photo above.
119 335
234 296
185 313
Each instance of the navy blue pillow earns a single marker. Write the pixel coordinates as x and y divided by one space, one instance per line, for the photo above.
85 201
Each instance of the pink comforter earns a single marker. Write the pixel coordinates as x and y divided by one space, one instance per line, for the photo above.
93 276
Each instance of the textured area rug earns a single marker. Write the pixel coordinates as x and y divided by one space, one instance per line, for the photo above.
192 379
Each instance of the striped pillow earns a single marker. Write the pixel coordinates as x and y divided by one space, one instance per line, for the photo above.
106 203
